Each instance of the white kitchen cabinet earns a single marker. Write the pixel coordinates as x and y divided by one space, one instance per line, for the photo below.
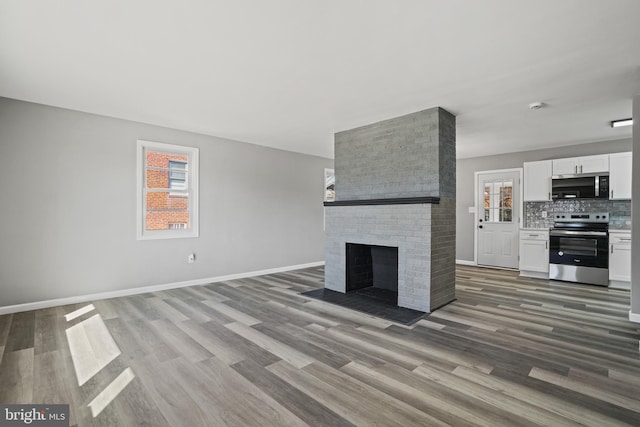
620 176
620 259
565 166
594 164
534 253
537 181
577 165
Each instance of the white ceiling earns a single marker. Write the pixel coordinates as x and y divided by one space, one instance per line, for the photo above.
290 73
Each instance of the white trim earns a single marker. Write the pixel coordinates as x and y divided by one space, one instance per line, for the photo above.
620 284
534 274
154 288
634 317
465 262
475 217
493 267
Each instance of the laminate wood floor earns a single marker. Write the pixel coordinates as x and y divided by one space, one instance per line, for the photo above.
254 352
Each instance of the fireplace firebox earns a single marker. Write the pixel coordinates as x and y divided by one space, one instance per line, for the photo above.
371 266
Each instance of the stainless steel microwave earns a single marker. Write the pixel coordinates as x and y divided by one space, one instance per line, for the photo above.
580 187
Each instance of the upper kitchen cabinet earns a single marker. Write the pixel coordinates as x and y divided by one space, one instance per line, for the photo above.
585 164
620 176
537 181
594 164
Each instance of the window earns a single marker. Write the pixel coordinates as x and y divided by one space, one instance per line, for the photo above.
498 201
177 226
177 176
167 191
329 185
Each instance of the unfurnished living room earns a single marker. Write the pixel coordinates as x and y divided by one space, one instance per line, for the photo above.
319 213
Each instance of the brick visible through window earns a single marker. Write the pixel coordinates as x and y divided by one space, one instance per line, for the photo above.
168 189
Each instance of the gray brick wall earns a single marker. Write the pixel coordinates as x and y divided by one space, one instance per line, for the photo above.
447 154
443 253
406 227
408 156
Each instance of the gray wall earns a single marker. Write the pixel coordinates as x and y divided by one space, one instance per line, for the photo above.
465 177
68 212
635 211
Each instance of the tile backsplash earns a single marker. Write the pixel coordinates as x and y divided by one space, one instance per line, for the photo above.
619 211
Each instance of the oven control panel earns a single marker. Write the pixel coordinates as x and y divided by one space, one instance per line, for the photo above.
602 217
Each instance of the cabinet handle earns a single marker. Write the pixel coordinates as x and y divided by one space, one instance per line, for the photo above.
580 168
611 248
575 168
625 238
533 235
550 195
546 245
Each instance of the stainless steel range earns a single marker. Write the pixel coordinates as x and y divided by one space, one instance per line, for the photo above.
579 248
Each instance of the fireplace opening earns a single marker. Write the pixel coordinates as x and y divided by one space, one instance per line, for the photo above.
373 271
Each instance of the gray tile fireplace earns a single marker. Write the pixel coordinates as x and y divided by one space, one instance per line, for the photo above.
392 224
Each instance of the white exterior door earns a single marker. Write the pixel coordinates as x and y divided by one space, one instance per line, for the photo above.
498 196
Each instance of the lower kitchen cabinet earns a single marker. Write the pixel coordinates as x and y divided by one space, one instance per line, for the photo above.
619 259
534 253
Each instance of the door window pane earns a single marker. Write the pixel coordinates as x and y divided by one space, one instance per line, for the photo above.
498 201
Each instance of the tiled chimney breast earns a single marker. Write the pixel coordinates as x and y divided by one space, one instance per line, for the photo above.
410 158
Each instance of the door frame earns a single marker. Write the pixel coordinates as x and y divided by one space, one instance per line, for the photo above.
475 204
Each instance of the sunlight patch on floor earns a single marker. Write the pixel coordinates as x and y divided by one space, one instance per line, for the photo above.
92 347
79 312
110 392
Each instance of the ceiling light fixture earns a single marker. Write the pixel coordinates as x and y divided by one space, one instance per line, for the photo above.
536 105
620 123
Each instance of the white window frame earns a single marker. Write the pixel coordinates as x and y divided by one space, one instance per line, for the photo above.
192 180
177 226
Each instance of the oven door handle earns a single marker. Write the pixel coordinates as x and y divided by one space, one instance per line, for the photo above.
577 233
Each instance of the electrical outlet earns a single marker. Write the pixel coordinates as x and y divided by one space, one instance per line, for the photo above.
191 258
544 214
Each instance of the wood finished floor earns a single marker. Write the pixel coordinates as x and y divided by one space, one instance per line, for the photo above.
253 352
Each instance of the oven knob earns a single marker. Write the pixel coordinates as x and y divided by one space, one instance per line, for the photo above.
598 216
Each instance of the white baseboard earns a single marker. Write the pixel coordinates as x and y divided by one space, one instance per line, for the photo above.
534 274
617 284
154 288
634 317
465 262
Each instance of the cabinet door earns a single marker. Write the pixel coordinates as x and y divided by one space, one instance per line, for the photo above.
565 166
593 164
620 177
620 262
537 181
534 255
